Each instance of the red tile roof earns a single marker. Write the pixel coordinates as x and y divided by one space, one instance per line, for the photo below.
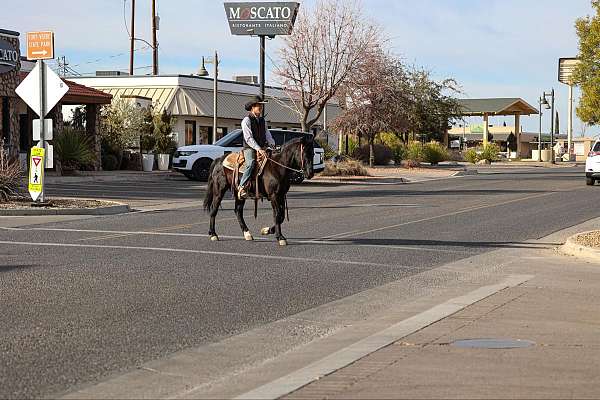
80 94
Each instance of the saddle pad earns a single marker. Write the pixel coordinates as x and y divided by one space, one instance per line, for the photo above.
232 160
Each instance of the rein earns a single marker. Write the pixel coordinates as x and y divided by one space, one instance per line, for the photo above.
299 171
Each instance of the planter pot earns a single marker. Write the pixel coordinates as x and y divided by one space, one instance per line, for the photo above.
148 162
163 162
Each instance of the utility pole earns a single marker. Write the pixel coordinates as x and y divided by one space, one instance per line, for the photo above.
132 38
154 42
215 95
263 40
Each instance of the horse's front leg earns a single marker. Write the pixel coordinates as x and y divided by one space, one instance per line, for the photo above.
278 205
239 213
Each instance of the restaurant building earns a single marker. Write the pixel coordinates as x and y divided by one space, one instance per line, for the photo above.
10 65
190 99
16 128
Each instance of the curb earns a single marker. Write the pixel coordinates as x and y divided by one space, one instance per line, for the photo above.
572 248
109 210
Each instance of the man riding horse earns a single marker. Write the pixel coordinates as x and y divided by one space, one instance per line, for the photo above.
257 139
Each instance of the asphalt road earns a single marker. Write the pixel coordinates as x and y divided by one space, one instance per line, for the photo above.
83 300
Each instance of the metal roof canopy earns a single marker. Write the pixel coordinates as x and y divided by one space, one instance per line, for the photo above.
496 106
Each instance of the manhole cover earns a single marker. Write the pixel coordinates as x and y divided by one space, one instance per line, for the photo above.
493 343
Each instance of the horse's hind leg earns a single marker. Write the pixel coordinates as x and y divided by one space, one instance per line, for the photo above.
239 213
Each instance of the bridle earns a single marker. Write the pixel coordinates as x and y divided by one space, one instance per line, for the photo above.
298 171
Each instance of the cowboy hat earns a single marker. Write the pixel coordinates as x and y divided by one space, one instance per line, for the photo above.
253 102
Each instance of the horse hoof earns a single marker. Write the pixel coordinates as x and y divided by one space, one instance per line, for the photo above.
265 231
248 236
283 242
214 238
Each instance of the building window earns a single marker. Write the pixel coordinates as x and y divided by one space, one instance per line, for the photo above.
190 133
6 121
221 132
205 134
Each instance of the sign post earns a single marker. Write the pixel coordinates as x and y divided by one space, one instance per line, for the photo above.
42 89
566 67
262 19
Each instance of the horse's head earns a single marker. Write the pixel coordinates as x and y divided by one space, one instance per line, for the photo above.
307 151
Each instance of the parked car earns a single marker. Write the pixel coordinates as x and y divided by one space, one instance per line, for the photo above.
592 164
194 161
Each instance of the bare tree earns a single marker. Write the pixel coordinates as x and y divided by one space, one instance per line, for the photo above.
378 99
322 54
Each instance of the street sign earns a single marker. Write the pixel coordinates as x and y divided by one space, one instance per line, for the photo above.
566 67
40 45
9 57
262 19
48 129
36 172
29 89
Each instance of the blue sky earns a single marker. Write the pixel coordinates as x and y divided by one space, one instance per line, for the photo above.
493 48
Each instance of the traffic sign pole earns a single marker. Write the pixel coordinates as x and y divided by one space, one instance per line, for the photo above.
41 114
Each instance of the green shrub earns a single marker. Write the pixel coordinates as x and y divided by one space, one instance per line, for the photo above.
490 152
345 168
147 143
329 152
163 129
471 156
395 144
110 162
414 152
434 153
383 154
352 145
10 175
73 149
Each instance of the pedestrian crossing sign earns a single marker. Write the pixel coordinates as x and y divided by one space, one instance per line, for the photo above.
36 172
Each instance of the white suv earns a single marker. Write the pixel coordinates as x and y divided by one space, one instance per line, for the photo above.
194 161
592 165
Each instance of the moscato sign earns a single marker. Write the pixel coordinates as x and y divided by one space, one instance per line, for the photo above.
9 57
261 19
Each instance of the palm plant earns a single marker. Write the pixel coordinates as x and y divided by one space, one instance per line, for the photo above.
10 175
73 149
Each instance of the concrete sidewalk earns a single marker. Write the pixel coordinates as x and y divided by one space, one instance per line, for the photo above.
558 310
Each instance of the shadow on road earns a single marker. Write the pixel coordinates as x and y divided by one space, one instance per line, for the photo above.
432 243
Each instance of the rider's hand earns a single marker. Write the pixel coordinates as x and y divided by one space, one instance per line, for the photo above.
262 153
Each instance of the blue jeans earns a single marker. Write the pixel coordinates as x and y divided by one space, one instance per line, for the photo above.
250 156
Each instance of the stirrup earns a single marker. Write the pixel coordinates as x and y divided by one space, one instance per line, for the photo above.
242 193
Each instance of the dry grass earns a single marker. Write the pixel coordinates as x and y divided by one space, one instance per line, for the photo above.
345 168
10 175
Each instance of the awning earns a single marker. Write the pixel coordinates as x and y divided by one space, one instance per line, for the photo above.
191 101
496 106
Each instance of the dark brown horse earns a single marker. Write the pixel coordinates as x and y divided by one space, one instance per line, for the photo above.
273 184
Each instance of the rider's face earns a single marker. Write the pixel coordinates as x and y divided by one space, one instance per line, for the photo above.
257 109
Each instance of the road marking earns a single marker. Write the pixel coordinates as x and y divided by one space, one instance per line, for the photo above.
462 211
206 252
371 344
160 232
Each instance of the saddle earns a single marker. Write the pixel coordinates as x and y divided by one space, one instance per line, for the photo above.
236 162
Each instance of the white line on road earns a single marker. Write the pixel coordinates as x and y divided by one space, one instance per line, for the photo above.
107 234
371 344
206 252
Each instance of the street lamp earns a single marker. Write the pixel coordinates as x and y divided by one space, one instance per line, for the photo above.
551 95
542 102
203 72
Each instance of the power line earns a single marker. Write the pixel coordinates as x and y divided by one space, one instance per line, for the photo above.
109 57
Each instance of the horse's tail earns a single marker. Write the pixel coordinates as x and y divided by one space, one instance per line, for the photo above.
210 190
